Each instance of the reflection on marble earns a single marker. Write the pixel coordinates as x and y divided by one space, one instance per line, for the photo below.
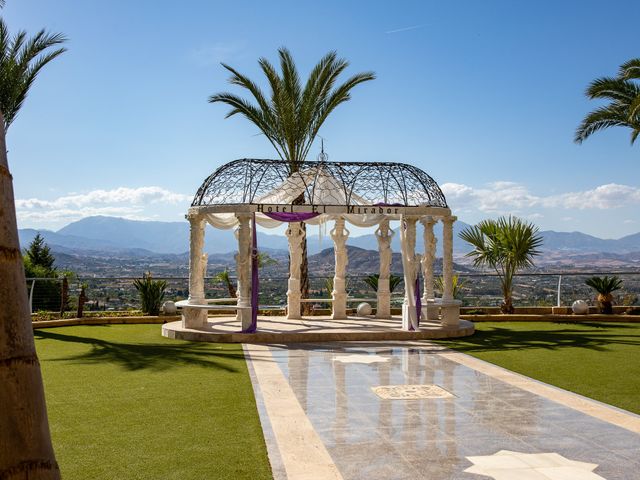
370 437
359 358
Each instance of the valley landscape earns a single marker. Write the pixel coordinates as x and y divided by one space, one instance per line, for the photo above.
107 253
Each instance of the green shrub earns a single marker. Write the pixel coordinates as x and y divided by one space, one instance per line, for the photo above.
151 293
372 281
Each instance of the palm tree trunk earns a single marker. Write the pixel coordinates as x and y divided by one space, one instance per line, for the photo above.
82 299
304 273
25 440
507 305
231 288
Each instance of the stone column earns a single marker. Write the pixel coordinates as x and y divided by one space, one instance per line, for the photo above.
192 318
410 266
450 306
339 234
243 268
447 257
428 297
384 235
295 234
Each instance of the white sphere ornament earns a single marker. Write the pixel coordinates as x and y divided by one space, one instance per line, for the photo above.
580 307
364 309
169 308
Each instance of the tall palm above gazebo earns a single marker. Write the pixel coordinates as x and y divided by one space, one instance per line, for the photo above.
292 115
623 109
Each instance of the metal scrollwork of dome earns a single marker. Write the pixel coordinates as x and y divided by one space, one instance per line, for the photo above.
253 181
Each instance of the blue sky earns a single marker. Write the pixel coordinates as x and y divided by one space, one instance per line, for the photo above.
484 96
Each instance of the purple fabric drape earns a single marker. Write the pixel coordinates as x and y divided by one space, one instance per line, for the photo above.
291 216
255 282
418 301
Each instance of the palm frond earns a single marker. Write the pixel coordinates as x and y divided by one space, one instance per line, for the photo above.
340 95
291 115
624 107
616 89
604 285
599 119
21 60
630 69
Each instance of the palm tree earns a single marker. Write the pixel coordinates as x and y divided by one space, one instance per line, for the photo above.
292 115
505 245
264 260
25 440
623 109
223 277
605 286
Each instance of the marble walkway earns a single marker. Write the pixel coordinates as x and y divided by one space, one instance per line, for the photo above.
380 410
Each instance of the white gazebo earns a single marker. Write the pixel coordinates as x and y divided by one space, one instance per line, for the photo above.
246 192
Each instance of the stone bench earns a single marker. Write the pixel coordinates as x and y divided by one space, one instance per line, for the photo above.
194 315
448 312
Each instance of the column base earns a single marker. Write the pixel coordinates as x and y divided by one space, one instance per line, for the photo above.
193 318
451 313
339 307
383 309
432 312
244 316
293 299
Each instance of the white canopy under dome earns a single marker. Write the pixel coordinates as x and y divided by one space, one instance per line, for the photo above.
360 193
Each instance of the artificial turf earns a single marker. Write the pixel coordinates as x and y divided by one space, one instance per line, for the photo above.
597 360
126 403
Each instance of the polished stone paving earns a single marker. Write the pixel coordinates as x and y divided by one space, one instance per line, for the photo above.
368 437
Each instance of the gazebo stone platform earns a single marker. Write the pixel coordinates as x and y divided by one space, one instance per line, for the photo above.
279 330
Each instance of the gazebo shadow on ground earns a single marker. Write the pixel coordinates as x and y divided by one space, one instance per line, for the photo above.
139 356
500 338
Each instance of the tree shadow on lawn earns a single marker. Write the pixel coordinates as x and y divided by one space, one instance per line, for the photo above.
503 338
138 356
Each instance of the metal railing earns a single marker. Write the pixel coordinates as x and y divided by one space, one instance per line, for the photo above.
478 289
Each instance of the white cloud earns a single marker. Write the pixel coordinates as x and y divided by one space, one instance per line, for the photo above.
497 197
509 197
129 196
611 195
132 203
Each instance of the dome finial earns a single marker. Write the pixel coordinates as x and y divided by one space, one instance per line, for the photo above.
322 156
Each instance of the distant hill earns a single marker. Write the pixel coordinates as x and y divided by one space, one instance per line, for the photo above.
363 261
132 237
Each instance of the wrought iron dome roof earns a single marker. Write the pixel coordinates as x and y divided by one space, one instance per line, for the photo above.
253 181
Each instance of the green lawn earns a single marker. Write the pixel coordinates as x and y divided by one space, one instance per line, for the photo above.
598 360
126 403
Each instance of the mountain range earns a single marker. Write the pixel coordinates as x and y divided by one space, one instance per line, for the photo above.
139 238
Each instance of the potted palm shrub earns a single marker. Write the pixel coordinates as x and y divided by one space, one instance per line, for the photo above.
151 293
458 286
372 281
605 286
505 245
